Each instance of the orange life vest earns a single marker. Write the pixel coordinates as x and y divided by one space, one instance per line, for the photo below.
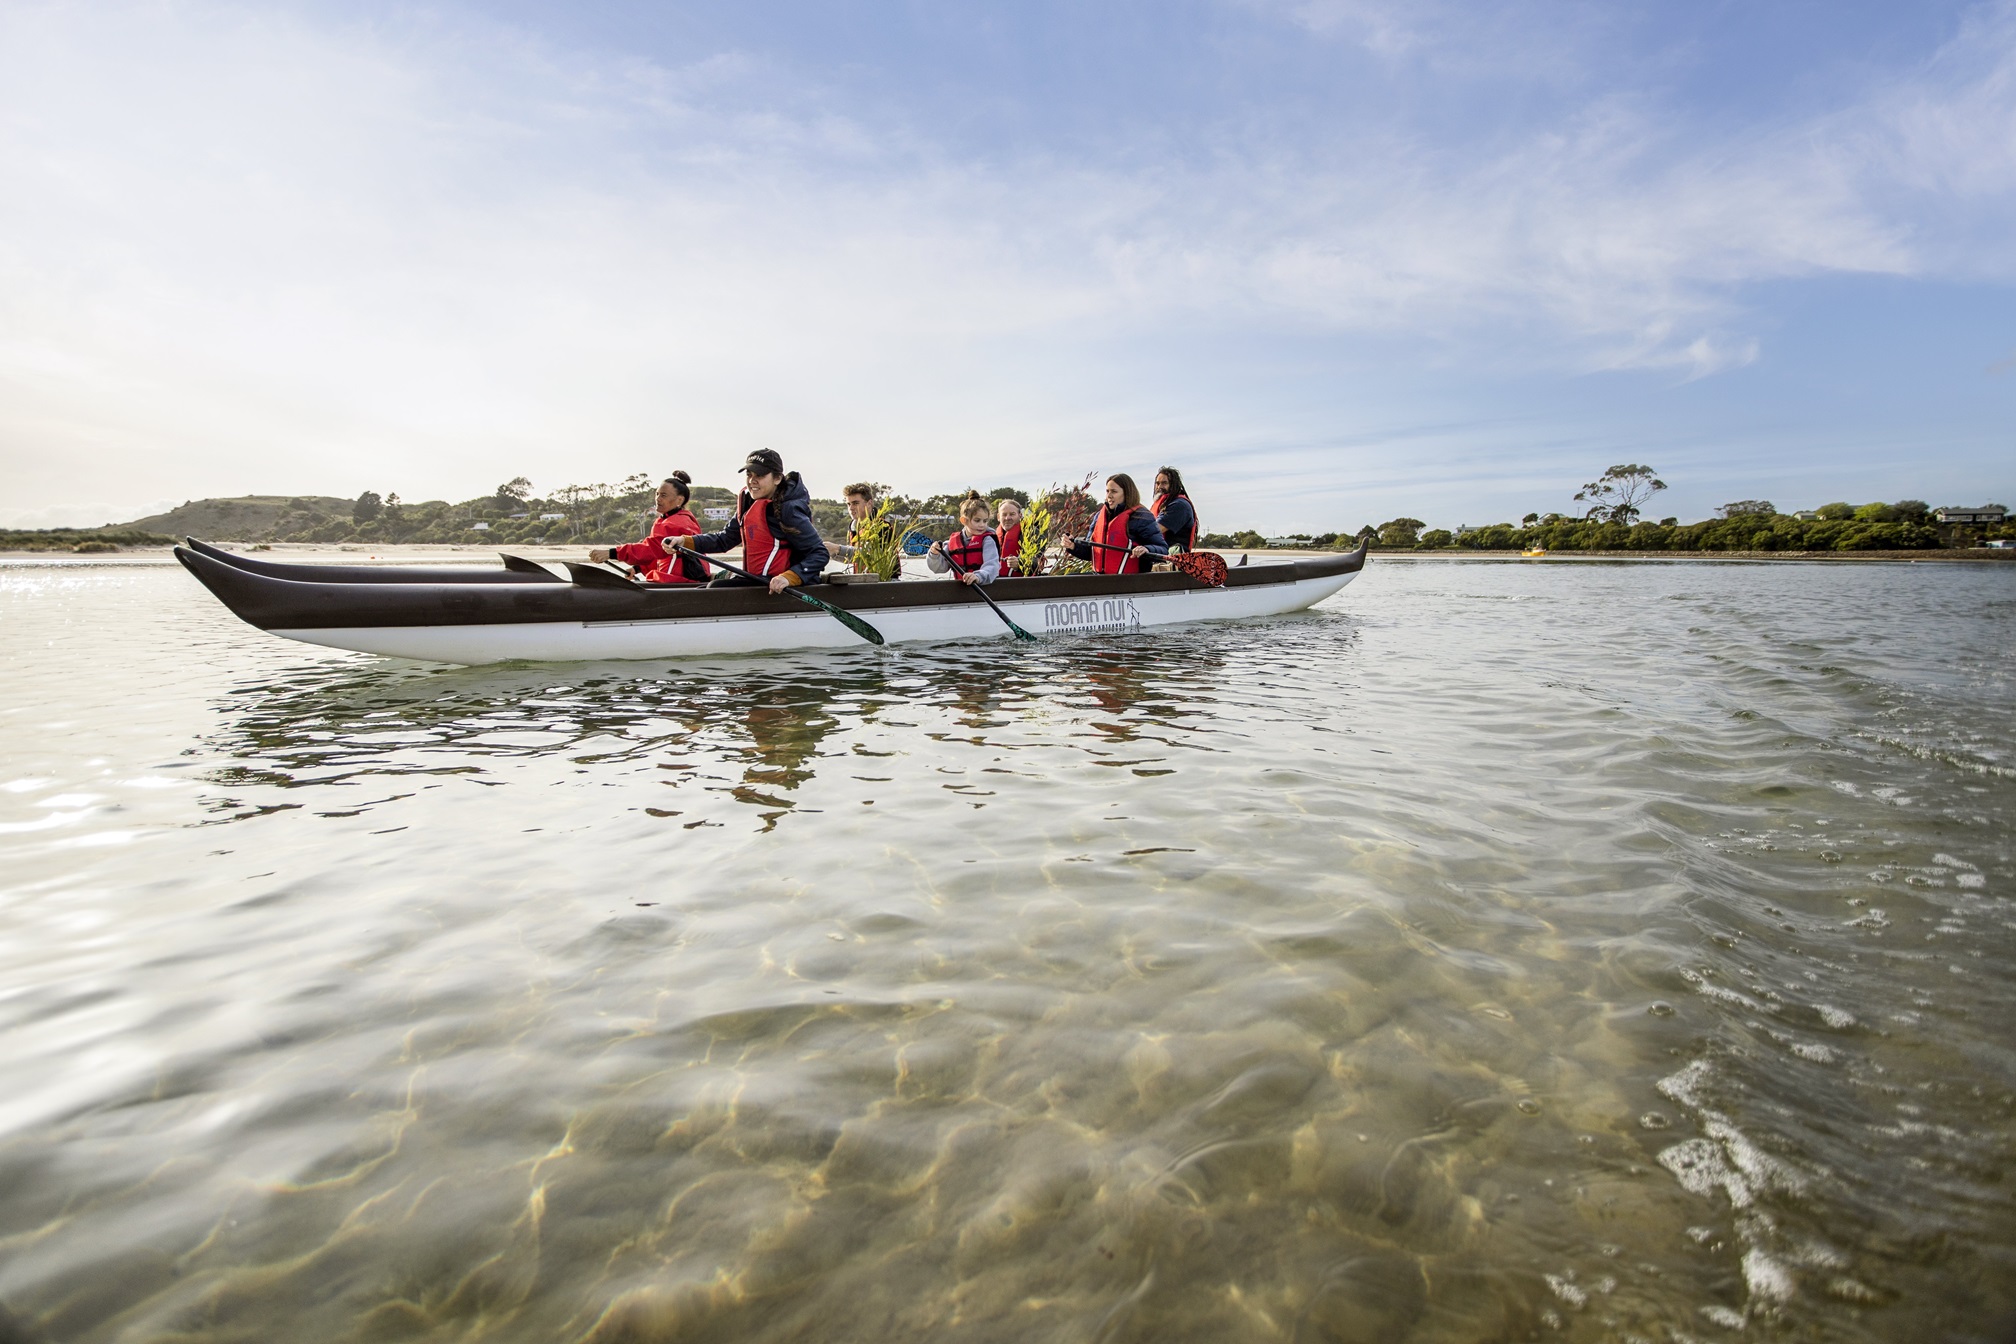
1112 557
762 552
1188 543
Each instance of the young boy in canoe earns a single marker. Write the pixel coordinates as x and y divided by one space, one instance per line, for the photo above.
860 498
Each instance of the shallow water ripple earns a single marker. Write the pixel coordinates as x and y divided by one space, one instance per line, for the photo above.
1610 951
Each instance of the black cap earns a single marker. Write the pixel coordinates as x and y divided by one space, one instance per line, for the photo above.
765 462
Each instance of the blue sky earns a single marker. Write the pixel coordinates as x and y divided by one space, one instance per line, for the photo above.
1338 259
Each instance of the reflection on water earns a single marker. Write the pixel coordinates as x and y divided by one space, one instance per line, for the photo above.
1607 952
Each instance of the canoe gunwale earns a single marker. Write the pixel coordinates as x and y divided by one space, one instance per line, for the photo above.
308 573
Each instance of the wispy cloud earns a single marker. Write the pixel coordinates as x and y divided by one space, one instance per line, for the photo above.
255 249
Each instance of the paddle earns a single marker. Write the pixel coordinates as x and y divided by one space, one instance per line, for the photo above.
1206 567
846 618
518 564
981 589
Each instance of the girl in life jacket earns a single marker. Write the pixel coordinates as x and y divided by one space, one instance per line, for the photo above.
973 546
1173 511
1124 538
649 557
1008 531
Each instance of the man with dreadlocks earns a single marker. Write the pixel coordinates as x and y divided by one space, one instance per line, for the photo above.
1173 512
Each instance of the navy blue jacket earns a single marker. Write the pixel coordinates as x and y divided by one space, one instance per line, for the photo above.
790 521
1141 530
1177 518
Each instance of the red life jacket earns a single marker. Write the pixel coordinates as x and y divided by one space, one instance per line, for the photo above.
652 561
1010 542
1112 557
763 553
970 554
1188 543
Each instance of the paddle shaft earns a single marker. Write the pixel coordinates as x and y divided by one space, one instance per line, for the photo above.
981 589
846 618
1149 558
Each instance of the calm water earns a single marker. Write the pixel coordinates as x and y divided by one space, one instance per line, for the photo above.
1595 952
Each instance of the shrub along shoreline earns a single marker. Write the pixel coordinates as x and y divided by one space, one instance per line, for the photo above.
1758 533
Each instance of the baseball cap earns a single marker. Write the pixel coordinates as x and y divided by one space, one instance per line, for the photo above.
765 462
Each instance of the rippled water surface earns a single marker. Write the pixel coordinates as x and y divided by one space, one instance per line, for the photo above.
1583 951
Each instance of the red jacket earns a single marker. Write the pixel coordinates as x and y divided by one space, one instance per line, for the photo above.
649 555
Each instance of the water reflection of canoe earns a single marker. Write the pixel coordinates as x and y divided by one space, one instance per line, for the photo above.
599 615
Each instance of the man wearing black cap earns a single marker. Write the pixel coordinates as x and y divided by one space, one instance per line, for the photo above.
772 525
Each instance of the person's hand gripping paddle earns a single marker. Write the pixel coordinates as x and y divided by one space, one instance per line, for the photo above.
981 589
846 618
1206 567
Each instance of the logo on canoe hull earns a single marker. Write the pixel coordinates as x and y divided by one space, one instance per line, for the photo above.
1094 616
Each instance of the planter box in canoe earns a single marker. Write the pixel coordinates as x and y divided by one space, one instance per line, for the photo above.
450 617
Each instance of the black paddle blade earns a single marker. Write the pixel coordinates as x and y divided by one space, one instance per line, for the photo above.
518 564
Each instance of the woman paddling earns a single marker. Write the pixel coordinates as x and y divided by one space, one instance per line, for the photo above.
972 546
653 560
773 526
1124 538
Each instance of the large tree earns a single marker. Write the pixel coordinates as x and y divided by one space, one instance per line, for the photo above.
1401 532
1615 496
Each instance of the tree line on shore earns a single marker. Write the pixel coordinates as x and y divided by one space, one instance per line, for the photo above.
603 514
1905 526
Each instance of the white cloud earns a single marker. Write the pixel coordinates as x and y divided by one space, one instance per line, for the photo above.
246 251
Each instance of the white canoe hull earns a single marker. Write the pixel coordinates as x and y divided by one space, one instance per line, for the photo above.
686 637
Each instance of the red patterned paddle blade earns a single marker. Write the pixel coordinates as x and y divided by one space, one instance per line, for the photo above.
1206 567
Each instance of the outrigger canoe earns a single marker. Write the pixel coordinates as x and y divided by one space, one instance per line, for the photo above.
489 616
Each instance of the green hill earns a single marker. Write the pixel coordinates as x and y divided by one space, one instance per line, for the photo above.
246 517
596 515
